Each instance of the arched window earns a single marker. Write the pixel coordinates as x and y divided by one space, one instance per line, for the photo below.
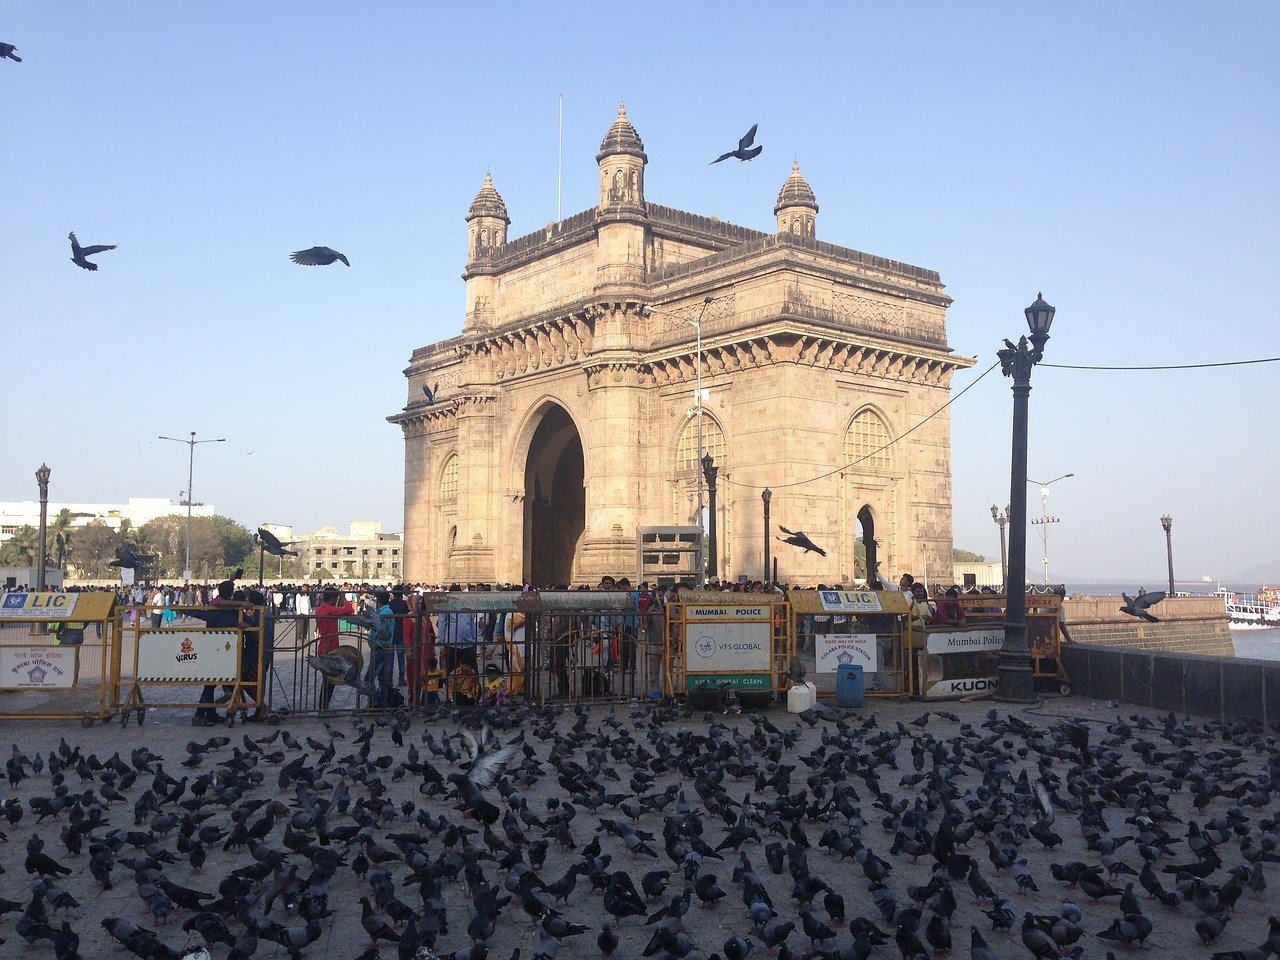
865 441
712 443
449 480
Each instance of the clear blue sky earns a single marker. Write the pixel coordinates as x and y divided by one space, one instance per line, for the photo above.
1124 160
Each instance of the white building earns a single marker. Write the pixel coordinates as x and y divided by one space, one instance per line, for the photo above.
139 510
365 554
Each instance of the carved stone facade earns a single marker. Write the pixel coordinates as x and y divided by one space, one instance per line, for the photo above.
562 418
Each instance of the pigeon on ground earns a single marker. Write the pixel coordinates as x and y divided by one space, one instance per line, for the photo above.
7 52
797 538
1137 606
78 253
745 151
317 257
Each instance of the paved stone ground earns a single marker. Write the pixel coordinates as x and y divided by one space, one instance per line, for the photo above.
167 733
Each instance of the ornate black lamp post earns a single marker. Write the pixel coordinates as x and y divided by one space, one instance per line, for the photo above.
42 478
1167 522
766 496
1017 685
709 471
1002 520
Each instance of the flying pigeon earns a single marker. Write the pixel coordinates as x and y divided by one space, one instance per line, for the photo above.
78 253
430 392
7 52
745 151
128 557
317 257
271 543
1137 606
797 538
486 765
341 669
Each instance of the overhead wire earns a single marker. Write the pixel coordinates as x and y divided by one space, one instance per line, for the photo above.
867 456
1169 366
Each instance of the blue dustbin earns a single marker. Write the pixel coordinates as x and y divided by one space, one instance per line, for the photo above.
850 685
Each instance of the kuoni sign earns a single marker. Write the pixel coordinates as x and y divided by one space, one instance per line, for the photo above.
175 656
38 606
968 686
835 649
37 668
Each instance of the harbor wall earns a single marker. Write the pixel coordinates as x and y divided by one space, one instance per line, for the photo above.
1196 625
1218 687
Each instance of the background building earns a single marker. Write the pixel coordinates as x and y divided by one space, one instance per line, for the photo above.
366 553
562 419
138 511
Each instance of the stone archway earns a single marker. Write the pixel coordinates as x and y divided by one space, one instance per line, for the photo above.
867 523
555 502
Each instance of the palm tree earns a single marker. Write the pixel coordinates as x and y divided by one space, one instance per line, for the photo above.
21 550
60 534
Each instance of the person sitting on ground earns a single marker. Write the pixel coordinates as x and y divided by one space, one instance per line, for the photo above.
432 681
495 687
463 684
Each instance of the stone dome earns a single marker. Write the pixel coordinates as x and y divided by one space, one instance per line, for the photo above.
796 192
621 138
488 203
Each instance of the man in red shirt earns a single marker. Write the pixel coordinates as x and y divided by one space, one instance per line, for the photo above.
332 606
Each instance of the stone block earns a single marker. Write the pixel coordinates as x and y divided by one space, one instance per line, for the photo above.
1203 686
1105 681
1167 680
1242 689
1075 659
1136 675
1271 692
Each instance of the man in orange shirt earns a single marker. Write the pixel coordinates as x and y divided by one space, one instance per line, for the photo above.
332 606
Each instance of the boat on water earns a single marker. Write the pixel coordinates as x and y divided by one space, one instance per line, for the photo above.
1252 611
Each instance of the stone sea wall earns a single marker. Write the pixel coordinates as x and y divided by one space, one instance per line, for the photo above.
1195 625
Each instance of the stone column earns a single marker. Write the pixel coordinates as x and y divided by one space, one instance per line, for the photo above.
473 557
611 448
419 550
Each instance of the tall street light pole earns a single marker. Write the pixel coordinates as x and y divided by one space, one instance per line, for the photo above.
709 471
1017 684
191 469
1044 520
1002 520
697 407
766 496
42 478
1167 522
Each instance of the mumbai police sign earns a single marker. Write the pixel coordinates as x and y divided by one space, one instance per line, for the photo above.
38 606
964 641
727 639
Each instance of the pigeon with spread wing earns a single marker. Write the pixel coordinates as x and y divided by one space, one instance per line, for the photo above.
271 543
797 538
745 149
1137 606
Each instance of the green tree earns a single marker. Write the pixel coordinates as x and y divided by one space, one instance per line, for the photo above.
95 548
320 573
237 543
966 556
22 549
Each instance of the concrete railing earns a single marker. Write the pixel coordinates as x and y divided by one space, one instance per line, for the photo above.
1186 625
1220 687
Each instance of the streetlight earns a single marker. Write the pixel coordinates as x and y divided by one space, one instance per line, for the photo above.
42 478
709 471
1002 519
1017 684
766 496
1167 522
1044 520
191 467
697 411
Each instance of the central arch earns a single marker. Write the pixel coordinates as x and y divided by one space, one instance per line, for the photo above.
555 502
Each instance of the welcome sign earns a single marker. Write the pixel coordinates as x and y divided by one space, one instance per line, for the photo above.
37 668
835 649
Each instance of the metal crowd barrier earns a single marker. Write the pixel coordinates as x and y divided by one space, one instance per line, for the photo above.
725 640
56 659
872 628
163 654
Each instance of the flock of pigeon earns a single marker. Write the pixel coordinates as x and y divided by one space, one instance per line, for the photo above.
659 833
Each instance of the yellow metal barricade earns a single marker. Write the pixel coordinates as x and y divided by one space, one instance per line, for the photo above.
56 656
184 654
872 628
715 639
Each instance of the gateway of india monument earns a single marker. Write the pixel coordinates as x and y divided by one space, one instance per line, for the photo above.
563 414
